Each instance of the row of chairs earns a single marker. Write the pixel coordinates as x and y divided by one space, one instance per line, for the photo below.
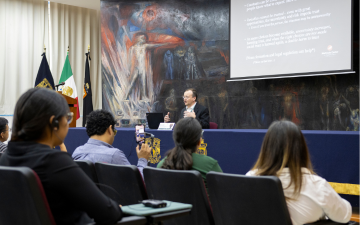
23 200
235 199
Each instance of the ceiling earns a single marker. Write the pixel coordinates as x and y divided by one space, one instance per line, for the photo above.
91 4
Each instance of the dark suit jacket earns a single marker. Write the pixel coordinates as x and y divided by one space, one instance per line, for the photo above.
202 115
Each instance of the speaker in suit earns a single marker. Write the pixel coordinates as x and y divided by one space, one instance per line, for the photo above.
202 115
193 109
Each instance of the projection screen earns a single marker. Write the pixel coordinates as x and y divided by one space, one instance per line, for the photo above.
277 38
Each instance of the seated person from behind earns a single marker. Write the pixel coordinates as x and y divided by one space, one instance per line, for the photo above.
187 137
193 109
41 122
100 128
4 133
309 197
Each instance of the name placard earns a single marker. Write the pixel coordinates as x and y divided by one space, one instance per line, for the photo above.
166 126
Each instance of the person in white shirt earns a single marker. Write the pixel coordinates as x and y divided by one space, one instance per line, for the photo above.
309 197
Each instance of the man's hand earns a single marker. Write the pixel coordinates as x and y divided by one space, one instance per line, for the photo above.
189 114
167 118
144 152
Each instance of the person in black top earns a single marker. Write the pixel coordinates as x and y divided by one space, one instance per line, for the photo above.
4 133
41 122
193 109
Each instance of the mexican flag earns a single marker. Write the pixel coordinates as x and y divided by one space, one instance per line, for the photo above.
69 88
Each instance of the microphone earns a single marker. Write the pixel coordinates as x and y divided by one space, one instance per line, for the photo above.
150 134
62 83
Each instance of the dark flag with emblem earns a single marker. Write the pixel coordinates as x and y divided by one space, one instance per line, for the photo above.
44 78
87 97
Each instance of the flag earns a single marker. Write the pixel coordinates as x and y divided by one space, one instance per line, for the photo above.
69 88
44 78
87 97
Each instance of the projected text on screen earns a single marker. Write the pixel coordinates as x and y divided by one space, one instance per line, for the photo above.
284 37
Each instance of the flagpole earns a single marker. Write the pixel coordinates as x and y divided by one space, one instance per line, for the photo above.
44 49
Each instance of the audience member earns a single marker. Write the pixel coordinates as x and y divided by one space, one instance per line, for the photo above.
187 137
101 131
309 197
41 121
4 133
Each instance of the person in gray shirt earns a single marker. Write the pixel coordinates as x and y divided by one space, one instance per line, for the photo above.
100 128
4 133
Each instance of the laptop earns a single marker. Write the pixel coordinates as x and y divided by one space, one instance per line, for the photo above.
154 119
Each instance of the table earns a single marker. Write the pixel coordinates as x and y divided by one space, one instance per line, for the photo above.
334 154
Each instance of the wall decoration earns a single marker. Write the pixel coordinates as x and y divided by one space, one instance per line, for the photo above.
152 51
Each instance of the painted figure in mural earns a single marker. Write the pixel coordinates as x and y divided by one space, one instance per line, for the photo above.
324 108
352 92
338 106
192 70
354 120
140 80
169 65
179 62
224 106
251 106
170 102
290 104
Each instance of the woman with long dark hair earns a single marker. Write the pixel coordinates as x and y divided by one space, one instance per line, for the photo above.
41 122
309 197
187 137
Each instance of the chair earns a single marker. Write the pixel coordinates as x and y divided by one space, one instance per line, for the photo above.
23 200
89 168
213 125
249 200
125 180
180 186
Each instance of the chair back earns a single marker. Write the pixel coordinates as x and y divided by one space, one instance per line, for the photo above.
23 200
213 125
239 199
125 180
89 168
180 186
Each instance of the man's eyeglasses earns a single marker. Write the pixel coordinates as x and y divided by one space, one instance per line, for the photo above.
8 129
115 131
69 117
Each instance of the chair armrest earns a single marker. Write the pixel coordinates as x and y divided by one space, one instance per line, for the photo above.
129 220
166 216
132 220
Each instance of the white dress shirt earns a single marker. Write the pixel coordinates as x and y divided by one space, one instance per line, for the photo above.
191 109
316 200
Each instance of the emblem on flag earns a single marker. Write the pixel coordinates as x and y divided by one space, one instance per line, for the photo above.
44 84
68 91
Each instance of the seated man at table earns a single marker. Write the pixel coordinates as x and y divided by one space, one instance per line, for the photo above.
100 128
193 109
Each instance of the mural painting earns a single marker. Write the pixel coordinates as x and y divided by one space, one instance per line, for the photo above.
152 51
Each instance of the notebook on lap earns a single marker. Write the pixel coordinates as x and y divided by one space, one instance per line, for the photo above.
141 210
